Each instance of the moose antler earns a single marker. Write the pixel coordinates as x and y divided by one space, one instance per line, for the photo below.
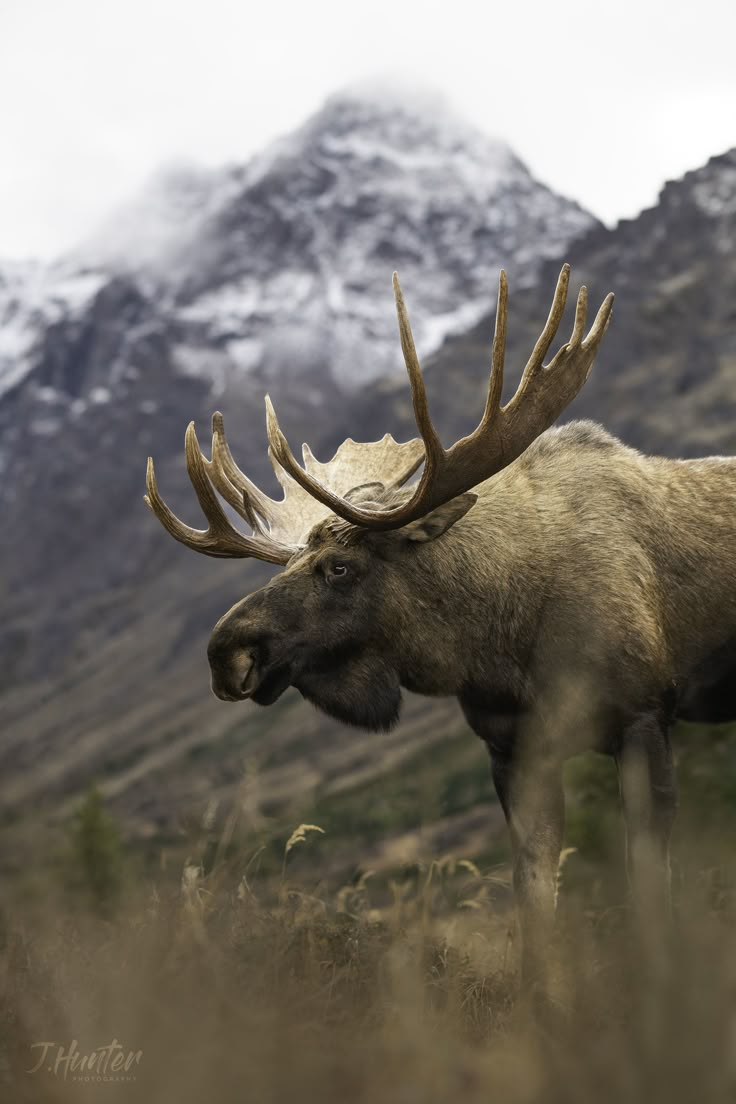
316 490
279 528
503 432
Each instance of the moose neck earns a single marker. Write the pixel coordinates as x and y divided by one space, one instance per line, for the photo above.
469 602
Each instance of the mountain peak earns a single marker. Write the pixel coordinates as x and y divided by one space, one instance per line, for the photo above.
282 264
398 120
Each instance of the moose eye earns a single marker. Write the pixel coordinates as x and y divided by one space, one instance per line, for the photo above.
337 572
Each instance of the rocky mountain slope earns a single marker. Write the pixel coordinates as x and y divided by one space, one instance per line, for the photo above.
665 380
276 275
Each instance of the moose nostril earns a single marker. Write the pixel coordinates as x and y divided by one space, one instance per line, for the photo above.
234 674
242 668
251 680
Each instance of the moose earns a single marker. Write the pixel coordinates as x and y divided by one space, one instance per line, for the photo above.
571 592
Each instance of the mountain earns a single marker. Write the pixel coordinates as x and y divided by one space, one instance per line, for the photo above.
213 287
282 264
665 380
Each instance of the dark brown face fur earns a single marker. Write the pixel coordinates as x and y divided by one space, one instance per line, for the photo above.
324 624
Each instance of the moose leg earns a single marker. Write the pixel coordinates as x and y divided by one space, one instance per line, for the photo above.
533 801
649 799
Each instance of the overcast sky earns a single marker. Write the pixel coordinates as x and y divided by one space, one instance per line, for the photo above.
603 101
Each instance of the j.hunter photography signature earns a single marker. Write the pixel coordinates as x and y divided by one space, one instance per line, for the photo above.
105 1063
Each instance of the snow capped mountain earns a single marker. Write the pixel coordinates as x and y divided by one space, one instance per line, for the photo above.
298 263
284 263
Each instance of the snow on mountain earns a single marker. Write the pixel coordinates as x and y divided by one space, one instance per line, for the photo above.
32 298
284 263
305 250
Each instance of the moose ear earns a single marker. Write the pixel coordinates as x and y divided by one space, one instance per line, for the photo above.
437 522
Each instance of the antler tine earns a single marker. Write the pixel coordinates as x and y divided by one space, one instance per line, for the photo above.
206 496
600 325
432 444
498 351
581 315
551 326
282 454
220 538
233 484
177 528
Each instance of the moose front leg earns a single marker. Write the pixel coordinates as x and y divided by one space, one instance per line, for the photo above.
532 799
649 800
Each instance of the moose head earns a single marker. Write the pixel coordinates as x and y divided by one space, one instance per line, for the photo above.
378 578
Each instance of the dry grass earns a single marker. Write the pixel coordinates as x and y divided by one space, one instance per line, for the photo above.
242 985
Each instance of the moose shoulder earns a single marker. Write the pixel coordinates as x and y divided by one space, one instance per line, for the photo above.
570 591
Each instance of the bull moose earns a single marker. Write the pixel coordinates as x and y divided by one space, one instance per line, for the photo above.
571 592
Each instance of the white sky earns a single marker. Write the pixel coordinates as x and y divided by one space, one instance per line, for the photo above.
603 101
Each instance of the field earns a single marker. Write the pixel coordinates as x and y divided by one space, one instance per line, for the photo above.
245 964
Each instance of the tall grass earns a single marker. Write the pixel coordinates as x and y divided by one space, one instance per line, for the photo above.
243 983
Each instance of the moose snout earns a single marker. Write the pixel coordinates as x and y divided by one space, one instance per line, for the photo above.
233 654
